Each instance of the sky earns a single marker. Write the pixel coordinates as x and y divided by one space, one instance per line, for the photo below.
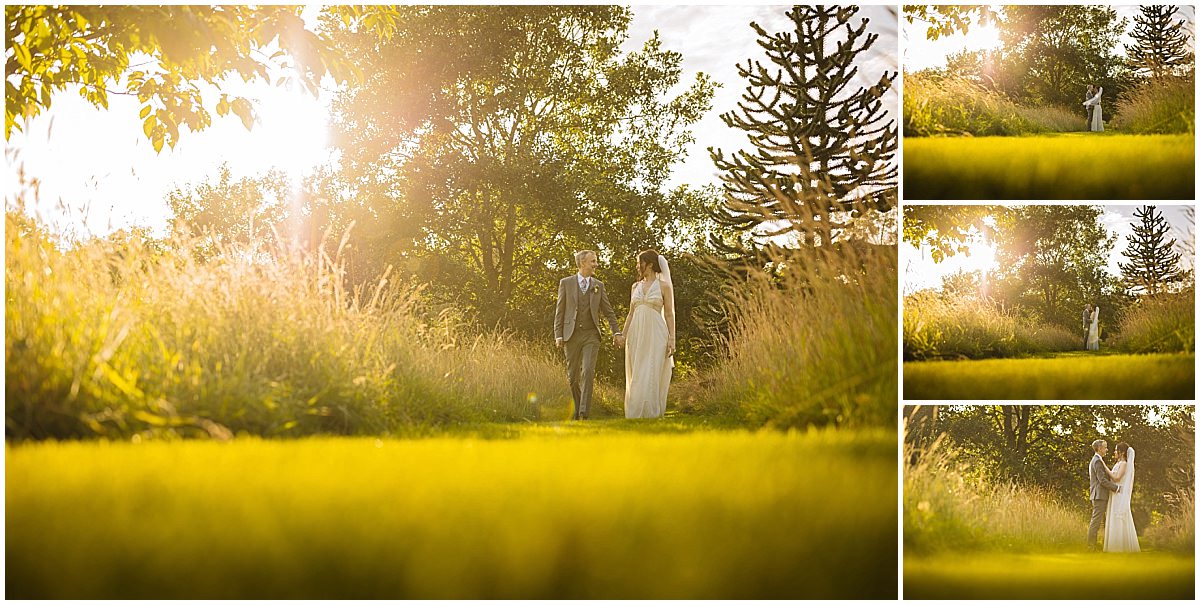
97 173
921 272
922 53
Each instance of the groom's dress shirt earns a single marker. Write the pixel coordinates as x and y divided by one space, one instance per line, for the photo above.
584 282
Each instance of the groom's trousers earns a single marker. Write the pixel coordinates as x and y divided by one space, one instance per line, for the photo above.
1099 512
581 351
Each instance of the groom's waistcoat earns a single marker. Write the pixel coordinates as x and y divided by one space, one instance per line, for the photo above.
583 310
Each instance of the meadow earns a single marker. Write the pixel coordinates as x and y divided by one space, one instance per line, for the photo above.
609 509
968 535
1078 375
1074 576
1051 166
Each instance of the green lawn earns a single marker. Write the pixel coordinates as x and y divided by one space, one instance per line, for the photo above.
1158 376
1105 577
617 509
1087 166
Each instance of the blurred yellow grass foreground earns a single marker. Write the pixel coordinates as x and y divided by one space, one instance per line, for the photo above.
558 512
1101 576
1079 376
1065 166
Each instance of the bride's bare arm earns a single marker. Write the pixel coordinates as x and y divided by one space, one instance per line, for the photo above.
668 293
1118 471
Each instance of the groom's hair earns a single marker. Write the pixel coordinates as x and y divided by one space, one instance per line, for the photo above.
582 254
1096 444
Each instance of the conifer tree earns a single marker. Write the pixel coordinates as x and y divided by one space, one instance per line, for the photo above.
1160 43
1152 262
824 146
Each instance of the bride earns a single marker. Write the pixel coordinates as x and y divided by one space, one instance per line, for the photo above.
649 338
1093 339
1097 121
1119 533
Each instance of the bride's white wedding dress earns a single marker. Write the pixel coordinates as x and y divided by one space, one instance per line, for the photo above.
1093 340
647 366
1119 532
1097 123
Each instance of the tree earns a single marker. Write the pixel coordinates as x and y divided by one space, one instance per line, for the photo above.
51 48
946 229
1153 263
226 211
824 150
947 20
499 139
1052 260
1160 45
1051 53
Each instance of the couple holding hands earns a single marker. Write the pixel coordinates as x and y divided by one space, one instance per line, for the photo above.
648 336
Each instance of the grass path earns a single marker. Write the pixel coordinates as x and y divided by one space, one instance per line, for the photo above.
1105 577
601 510
1065 166
1158 376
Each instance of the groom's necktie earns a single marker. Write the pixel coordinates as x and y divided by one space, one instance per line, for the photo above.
587 282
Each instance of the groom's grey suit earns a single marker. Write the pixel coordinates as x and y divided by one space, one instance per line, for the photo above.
577 323
1099 487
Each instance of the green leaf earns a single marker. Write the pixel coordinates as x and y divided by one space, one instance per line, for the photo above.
22 55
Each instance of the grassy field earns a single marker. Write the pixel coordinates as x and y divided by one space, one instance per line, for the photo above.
1061 166
1068 376
1100 576
617 509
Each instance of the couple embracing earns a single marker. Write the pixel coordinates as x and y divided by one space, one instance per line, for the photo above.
648 336
1111 491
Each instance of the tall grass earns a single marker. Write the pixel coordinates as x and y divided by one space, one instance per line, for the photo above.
956 106
1161 324
1164 106
113 338
948 506
815 345
935 327
1175 530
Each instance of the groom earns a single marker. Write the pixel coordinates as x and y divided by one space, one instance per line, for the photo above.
581 301
1099 488
1087 322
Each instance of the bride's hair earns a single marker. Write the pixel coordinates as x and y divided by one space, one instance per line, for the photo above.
650 258
1123 450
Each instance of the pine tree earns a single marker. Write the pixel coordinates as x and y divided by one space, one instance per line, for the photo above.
1161 44
823 153
1152 262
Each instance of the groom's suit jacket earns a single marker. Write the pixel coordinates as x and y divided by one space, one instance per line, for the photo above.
565 310
1098 476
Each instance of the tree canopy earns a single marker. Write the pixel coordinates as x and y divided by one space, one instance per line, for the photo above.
161 55
491 142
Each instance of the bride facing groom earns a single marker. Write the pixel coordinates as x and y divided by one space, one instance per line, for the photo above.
1111 492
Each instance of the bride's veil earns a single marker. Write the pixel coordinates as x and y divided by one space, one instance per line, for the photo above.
665 276
1129 466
